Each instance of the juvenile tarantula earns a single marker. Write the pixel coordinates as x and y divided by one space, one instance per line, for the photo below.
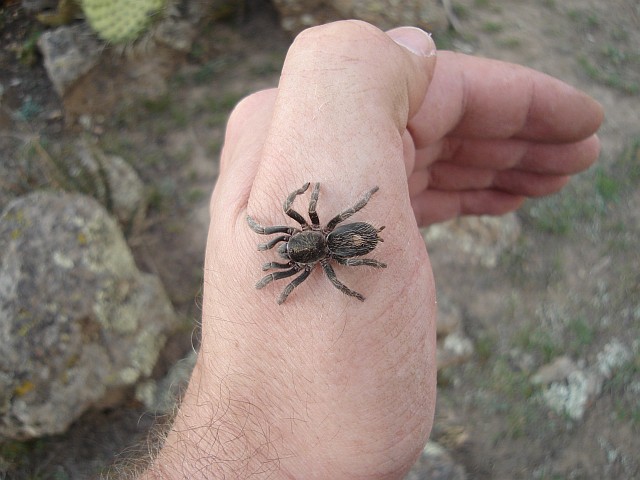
304 248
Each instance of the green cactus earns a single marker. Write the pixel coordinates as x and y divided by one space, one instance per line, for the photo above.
120 21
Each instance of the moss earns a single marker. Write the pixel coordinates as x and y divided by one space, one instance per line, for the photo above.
24 388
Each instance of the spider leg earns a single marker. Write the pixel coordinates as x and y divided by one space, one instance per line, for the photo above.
256 227
296 281
354 262
276 276
270 265
272 243
312 205
289 201
341 217
328 269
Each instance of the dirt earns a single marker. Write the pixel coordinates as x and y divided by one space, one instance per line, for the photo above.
570 286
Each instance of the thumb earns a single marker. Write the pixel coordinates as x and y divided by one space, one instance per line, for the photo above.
344 99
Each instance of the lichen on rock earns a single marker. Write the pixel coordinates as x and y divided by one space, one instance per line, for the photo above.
78 320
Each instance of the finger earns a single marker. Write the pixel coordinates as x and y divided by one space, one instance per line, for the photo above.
433 206
244 138
451 177
482 98
545 158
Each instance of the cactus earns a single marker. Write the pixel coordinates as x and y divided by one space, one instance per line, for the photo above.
120 21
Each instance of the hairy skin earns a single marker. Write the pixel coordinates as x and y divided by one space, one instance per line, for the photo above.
322 386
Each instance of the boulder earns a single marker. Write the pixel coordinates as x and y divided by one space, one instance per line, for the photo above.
111 180
79 323
69 52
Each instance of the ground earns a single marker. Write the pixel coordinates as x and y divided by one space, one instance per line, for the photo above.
570 286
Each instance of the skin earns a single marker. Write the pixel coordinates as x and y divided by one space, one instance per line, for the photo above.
325 386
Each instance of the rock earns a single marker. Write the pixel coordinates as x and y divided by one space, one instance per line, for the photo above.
573 394
449 317
613 356
92 77
296 15
114 182
69 53
453 346
162 396
479 240
436 463
79 323
176 34
33 6
555 371
455 349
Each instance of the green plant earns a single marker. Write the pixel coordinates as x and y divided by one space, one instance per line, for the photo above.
581 334
623 387
485 346
29 109
607 186
121 21
492 27
28 51
514 399
538 340
511 43
608 76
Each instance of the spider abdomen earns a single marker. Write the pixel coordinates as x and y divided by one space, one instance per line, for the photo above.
353 240
307 247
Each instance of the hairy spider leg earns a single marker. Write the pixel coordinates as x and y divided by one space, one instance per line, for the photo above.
290 211
341 217
328 269
256 227
354 262
276 276
272 243
270 265
312 205
296 281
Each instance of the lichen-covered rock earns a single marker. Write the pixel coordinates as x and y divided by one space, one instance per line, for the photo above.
113 182
296 15
78 321
69 53
574 389
476 240
436 463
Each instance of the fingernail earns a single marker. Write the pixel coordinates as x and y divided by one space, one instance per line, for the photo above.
415 40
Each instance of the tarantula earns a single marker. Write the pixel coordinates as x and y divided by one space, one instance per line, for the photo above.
305 247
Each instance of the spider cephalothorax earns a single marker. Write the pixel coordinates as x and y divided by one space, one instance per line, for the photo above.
303 248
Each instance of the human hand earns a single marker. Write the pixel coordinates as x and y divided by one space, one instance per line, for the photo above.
325 386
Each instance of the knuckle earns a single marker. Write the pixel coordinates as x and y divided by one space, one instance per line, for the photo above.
245 107
337 35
